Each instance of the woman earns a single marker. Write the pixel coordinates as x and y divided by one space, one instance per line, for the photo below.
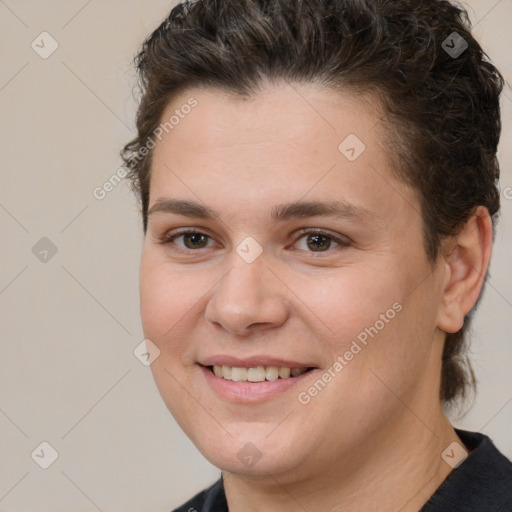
318 183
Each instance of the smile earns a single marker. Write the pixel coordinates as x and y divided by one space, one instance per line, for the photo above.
256 374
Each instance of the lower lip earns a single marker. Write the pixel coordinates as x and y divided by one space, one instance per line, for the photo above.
251 392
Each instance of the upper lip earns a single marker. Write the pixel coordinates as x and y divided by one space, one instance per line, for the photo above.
252 362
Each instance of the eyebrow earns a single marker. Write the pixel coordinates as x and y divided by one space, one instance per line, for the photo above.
279 213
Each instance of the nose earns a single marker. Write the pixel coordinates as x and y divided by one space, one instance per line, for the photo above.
247 299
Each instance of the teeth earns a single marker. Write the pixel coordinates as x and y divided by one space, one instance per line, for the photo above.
226 372
238 374
272 373
284 373
257 374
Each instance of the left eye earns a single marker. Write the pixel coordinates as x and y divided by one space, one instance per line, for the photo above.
318 242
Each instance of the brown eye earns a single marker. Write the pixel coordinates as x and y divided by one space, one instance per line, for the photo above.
319 242
195 240
314 241
191 240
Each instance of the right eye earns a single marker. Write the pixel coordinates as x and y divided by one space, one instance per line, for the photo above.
191 240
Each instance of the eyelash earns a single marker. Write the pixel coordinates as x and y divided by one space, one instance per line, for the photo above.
170 237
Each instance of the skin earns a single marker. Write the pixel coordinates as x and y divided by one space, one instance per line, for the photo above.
372 438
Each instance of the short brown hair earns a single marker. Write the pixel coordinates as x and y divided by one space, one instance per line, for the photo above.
443 105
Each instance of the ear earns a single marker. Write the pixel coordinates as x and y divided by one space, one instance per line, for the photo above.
466 259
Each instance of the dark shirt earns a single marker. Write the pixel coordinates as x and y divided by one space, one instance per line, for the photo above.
482 483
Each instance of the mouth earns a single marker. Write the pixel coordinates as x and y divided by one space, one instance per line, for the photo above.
256 373
255 380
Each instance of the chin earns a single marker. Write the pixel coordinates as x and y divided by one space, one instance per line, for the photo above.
258 458
267 465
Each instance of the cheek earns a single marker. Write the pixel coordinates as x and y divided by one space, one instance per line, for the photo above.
395 333
354 301
371 321
167 300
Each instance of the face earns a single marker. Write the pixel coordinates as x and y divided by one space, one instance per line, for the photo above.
279 245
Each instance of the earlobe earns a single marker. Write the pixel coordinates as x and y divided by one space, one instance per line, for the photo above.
466 260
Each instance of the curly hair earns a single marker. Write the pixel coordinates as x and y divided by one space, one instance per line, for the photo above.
442 106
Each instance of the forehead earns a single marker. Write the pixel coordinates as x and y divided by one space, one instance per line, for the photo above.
285 141
280 113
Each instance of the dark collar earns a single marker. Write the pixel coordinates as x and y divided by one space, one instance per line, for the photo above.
482 483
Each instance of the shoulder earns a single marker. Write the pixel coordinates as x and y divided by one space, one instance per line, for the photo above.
482 483
212 499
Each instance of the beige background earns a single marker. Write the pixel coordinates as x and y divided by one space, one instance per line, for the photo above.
68 326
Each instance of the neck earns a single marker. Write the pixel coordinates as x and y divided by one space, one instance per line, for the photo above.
399 468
